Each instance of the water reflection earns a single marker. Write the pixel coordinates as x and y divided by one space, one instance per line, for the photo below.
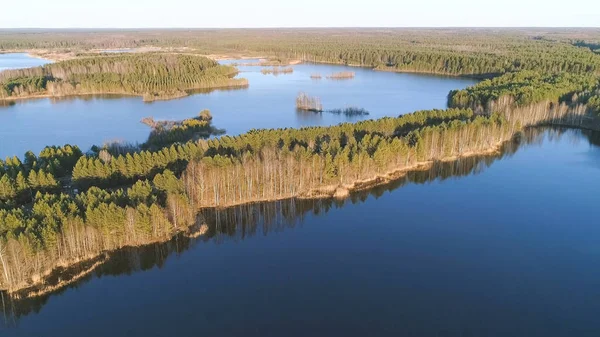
111 97
308 117
246 221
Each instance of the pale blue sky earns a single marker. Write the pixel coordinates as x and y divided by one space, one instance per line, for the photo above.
300 13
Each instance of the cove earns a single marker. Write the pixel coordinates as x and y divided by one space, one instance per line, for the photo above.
502 245
269 102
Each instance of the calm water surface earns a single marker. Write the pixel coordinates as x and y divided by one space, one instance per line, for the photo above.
19 60
269 102
494 246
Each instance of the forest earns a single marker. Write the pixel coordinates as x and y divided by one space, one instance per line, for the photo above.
527 87
129 200
151 75
474 52
62 206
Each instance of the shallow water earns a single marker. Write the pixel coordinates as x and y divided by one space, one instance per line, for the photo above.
501 246
269 102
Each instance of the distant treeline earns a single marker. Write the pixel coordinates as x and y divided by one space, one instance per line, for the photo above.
528 87
152 75
475 52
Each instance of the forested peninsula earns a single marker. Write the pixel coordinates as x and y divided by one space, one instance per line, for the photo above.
62 206
154 76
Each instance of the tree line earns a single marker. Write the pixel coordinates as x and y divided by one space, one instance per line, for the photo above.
526 87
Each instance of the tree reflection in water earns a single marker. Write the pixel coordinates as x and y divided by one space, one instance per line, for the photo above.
242 222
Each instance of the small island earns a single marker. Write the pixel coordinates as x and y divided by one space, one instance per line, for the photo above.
154 76
313 104
307 103
168 132
342 75
277 70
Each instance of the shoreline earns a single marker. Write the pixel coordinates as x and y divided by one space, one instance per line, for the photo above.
432 73
89 265
158 98
37 289
37 56
335 191
401 71
57 56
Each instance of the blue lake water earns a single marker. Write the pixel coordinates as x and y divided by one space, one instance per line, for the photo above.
269 102
19 60
496 246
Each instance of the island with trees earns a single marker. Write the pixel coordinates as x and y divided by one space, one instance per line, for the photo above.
305 102
154 76
168 132
342 75
277 70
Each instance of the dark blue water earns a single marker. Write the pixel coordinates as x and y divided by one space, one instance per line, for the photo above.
495 246
269 102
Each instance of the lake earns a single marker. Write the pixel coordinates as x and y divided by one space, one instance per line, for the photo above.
269 102
20 60
496 246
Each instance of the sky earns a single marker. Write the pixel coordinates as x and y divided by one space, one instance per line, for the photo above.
300 13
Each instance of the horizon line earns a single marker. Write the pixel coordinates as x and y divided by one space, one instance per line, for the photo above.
306 27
